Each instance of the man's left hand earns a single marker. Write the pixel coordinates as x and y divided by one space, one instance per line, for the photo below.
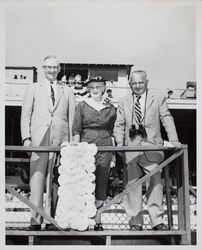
177 144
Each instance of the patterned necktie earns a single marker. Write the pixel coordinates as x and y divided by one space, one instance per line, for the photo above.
52 93
138 111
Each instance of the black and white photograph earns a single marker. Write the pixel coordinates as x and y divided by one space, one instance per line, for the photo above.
100 139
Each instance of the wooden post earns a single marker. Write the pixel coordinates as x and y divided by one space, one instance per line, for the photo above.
31 240
183 198
169 204
108 240
186 239
181 225
168 199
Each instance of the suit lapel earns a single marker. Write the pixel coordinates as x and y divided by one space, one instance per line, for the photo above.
46 95
129 102
60 90
149 101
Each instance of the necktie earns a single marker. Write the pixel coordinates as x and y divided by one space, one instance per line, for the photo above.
138 111
52 93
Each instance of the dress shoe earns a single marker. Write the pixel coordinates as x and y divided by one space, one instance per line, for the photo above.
51 227
160 227
135 228
34 228
98 227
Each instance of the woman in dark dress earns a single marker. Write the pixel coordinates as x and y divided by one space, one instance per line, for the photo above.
93 123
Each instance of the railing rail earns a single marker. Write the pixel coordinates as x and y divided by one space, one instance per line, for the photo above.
100 148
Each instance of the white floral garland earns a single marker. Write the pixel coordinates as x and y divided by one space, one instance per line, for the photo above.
76 202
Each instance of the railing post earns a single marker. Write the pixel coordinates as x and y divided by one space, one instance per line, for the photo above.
108 240
185 175
183 197
169 203
168 198
31 240
180 194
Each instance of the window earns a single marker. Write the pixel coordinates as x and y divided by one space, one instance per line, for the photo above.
107 74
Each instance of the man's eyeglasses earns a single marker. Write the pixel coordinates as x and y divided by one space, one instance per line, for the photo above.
50 67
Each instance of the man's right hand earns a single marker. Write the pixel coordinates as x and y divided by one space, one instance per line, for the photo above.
27 143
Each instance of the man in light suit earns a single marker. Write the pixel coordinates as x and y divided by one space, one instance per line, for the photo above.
46 120
138 124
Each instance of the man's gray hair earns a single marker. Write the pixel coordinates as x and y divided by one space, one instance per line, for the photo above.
51 56
138 72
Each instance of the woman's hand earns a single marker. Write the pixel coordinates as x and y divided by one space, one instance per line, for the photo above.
112 164
76 139
73 143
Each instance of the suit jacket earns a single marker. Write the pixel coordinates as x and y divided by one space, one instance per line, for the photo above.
156 111
38 115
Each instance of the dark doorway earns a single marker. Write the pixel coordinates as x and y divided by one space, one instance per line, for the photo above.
12 129
185 121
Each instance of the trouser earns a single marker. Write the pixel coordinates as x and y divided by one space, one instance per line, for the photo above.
39 164
142 163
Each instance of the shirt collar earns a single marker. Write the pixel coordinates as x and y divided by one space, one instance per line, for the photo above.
97 106
48 82
142 96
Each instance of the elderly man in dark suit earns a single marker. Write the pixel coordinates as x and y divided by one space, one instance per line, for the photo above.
138 124
46 120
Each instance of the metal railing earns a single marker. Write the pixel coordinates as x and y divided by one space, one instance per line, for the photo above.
181 157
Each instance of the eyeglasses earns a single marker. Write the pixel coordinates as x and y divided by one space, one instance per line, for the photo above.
50 67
